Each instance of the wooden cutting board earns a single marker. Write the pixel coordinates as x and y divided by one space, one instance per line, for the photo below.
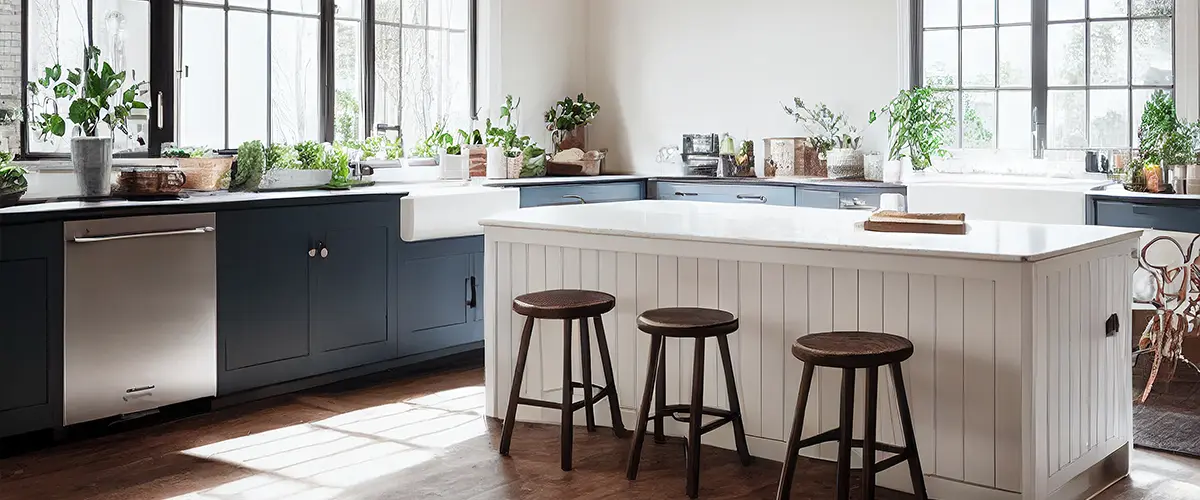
901 222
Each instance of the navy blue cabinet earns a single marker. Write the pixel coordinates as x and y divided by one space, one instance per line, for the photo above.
303 291
441 294
31 277
1145 213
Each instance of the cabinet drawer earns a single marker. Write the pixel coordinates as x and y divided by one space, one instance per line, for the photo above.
573 194
812 198
727 193
1147 216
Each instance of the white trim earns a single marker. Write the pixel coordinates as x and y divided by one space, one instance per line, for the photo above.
1187 59
904 47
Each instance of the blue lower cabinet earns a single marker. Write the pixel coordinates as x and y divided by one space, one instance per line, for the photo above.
576 194
303 291
31 277
441 294
1147 214
726 193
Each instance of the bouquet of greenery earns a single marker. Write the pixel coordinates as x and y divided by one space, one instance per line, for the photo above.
918 123
98 93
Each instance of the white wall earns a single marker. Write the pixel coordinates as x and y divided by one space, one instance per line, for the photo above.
662 68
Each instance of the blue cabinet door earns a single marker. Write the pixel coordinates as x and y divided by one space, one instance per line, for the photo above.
575 194
30 328
263 297
435 282
477 295
726 193
350 285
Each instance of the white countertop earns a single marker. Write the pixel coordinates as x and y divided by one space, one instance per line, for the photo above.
808 228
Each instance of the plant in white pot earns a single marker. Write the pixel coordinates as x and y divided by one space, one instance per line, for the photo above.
428 150
504 144
453 164
919 121
98 95
836 140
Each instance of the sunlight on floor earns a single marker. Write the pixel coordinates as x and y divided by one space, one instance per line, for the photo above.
322 460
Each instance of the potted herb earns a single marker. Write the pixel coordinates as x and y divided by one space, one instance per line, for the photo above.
427 150
1165 141
533 161
98 94
568 121
504 143
453 163
251 162
835 139
13 183
337 162
918 123
304 165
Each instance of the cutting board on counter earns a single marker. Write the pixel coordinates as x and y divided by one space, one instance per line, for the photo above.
900 222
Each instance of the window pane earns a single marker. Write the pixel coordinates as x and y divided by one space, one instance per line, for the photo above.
295 86
298 6
418 93
248 67
1067 125
1108 8
1109 46
1016 120
256 4
388 10
1153 61
1140 96
951 136
121 30
202 87
1015 11
415 11
458 79
976 12
1153 7
387 76
1109 118
1065 61
1016 53
57 31
351 9
941 58
459 13
347 122
979 120
1066 9
979 70
939 13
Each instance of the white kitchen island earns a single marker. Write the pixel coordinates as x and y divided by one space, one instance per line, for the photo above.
1017 391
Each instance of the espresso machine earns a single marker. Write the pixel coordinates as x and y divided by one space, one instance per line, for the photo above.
701 155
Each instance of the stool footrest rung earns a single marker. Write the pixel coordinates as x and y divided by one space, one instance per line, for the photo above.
891 461
575 406
682 412
824 437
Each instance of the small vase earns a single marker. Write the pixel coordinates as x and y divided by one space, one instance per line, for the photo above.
893 171
453 167
844 163
92 160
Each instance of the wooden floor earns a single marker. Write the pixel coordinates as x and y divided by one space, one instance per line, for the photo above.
417 438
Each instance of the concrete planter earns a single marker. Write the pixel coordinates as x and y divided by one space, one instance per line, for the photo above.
92 160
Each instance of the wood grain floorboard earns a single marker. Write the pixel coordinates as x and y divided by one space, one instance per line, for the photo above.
421 437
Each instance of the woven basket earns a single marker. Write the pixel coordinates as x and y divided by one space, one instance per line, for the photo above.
204 174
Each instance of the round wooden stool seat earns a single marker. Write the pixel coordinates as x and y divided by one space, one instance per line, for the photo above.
852 349
687 322
564 304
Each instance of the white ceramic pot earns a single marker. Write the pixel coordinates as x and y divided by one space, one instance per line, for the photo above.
892 171
844 163
906 169
497 163
453 167
92 160
289 178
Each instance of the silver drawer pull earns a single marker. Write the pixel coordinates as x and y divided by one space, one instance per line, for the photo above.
183 232
678 193
575 197
752 198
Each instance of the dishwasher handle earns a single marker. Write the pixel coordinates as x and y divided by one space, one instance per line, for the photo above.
156 234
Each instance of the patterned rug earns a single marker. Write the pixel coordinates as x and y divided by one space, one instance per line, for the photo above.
1170 419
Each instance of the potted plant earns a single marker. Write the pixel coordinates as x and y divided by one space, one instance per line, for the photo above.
380 150
98 94
1166 141
504 144
918 123
426 152
568 121
453 163
835 139
337 163
304 165
13 183
250 164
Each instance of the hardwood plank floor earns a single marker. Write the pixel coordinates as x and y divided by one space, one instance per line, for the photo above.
417 438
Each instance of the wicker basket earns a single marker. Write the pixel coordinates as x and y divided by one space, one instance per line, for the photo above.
204 174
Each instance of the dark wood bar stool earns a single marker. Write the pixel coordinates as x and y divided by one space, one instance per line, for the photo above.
689 323
851 351
566 305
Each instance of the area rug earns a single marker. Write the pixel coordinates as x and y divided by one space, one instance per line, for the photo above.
1170 419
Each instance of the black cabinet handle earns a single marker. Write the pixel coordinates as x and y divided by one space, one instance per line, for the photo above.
678 193
473 302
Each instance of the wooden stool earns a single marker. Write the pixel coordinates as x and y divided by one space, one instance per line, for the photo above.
690 323
567 305
850 351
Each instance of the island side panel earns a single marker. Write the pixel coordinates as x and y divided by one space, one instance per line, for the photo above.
952 312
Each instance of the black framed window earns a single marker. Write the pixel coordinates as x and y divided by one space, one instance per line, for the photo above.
227 71
1075 74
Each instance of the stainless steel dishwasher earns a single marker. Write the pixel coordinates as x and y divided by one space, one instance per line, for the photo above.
140 314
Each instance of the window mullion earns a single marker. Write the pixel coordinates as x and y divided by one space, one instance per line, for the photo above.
1040 56
368 70
326 69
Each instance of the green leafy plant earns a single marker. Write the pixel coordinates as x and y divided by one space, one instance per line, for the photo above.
311 155
1164 138
535 161
506 137
437 140
379 146
251 162
570 114
337 160
12 177
829 130
97 93
918 123
191 152
282 156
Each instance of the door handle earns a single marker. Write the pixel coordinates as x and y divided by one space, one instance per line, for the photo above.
116 237
678 193
322 250
575 197
752 198
473 301
158 107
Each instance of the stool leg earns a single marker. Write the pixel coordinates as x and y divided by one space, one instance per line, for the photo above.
614 407
735 405
868 467
910 437
585 362
793 448
510 416
695 420
568 428
660 395
639 434
846 429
